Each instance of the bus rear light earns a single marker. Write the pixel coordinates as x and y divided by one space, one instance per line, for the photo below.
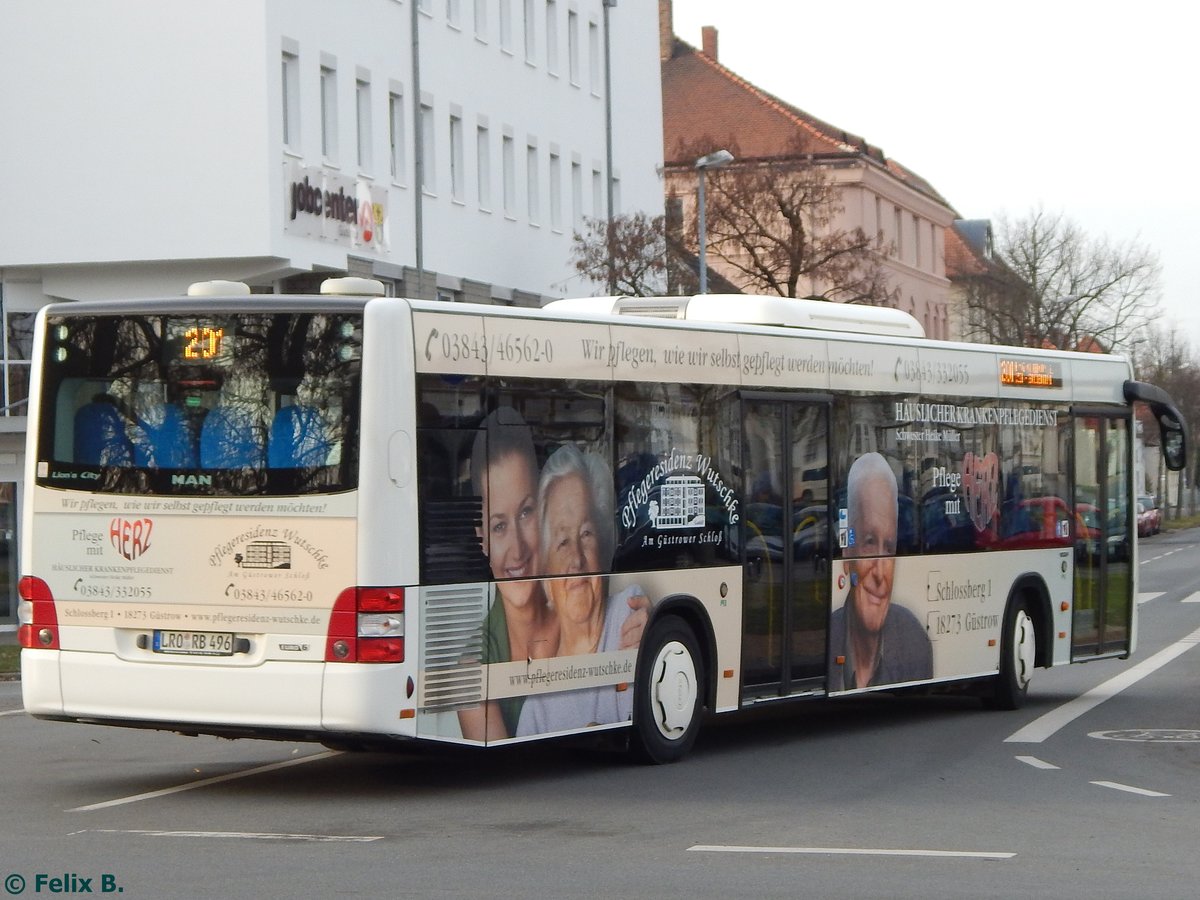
367 626
381 650
39 620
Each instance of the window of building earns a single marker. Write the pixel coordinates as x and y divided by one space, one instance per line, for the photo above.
508 160
454 13
598 210
552 37
481 20
594 58
329 112
362 102
457 176
290 83
530 32
555 191
428 149
396 135
898 224
573 46
18 350
916 242
506 25
576 195
483 166
531 183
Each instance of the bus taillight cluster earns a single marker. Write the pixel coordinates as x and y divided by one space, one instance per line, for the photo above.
367 626
39 621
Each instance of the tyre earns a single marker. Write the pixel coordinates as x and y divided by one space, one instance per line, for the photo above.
1018 651
668 693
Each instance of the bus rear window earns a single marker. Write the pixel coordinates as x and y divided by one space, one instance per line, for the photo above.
236 404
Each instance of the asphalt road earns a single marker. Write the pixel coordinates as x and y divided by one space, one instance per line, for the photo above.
883 796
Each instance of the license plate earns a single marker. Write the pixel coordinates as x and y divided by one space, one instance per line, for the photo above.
194 643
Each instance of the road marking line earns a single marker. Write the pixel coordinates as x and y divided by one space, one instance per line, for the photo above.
205 782
1043 727
1147 597
243 835
12 712
1037 763
1194 598
1117 786
855 851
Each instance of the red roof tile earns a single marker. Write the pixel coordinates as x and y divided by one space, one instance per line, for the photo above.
708 107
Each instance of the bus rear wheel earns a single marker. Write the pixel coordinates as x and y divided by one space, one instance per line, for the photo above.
1018 652
669 693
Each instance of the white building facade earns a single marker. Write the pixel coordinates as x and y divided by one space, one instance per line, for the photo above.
447 147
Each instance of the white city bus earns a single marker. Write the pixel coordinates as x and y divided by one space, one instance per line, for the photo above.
358 519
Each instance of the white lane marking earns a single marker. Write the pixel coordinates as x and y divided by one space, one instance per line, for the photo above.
1043 727
1129 789
855 851
12 712
1194 598
243 835
205 782
1147 597
1036 763
1142 562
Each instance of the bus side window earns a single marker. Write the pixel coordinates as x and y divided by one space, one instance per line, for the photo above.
100 438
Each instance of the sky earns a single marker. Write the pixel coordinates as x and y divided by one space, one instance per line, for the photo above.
1081 108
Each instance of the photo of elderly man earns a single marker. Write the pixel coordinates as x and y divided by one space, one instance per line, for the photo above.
873 641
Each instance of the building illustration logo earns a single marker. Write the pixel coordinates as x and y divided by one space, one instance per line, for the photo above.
680 503
265 555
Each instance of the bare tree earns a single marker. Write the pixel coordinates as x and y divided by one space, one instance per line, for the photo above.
636 247
1053 285
777 223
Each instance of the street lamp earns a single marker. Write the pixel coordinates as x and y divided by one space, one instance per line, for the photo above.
713 160
608 151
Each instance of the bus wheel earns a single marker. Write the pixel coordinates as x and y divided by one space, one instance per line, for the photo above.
1018 650
669 694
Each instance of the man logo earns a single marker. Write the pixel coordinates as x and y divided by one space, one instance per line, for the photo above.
192 480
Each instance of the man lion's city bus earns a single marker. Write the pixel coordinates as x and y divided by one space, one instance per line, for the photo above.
359 520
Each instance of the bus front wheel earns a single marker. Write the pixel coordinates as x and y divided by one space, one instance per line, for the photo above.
669 693
1018 652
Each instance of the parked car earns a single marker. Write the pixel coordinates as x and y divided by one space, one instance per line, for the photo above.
1149 516
1035 522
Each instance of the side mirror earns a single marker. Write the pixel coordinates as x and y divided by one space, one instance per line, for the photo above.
1174 443
1170 421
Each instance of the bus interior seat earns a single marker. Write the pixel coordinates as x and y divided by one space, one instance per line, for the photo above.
165 440
298 439
231 439
100 438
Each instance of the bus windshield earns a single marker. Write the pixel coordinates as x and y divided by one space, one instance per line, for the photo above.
194 403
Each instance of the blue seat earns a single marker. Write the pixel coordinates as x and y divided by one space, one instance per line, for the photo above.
100 438
299 439
231 438
165 440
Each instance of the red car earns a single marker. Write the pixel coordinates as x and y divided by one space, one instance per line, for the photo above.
1149 516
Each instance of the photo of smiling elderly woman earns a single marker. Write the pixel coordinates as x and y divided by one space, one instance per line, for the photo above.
575 508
